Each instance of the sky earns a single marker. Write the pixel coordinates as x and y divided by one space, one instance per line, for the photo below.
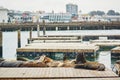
84 6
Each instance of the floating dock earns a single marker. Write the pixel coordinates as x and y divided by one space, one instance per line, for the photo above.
115 52
105 42
55 74
58 47
54 50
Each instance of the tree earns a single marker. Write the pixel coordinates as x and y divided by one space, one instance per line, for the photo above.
100 13
111 12
117 13
92 13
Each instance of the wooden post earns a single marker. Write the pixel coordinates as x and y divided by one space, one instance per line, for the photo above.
19 38
80 28
103 27
30 35
44 28
38 30
56 28
1 44
81 38
95 55
68 27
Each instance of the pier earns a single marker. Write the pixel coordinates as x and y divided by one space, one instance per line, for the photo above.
54 49
62 26
55 74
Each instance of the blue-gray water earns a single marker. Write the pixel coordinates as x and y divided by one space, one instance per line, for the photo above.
10 42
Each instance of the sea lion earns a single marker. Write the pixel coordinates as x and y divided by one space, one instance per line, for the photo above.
117 62
11 63
22 59
1 59
33 64
81 62
91 65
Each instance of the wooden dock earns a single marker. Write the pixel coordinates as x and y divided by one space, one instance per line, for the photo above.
55 74
105 42
116 50
58 47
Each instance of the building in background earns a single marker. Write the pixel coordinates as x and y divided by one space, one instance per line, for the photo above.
19 16
112 18
72 15
72 9
56 17
3 15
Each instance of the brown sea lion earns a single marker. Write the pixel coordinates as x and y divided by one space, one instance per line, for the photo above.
22 59
33 64
91 65
51 63
117 62
68 63
81 62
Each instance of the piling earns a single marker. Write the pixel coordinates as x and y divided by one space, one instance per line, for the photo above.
56 28
80 28
68 28
31 29
19 38
1 44
38 30
44 28
104 28
81 38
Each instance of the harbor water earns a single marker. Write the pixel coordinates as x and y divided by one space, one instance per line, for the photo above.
10 42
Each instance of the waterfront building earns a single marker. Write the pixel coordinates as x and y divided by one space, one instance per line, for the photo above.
19 16
96 18
112 18
27 16
72 9
3 15
56 17
15 16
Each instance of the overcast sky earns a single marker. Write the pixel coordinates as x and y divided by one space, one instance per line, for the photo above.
59 5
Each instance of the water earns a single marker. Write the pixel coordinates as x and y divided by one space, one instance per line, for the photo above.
10 42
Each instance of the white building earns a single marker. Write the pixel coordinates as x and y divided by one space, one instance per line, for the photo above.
96 18
112 18
56 17
3 15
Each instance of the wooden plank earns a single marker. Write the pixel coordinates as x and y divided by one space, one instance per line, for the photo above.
115 50
56 41
70 79
54 38
58 47
53 73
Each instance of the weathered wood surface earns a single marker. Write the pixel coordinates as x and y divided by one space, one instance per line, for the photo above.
58 47
55 38
70 79
56 41
55 74
116 50
105 42
21 25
